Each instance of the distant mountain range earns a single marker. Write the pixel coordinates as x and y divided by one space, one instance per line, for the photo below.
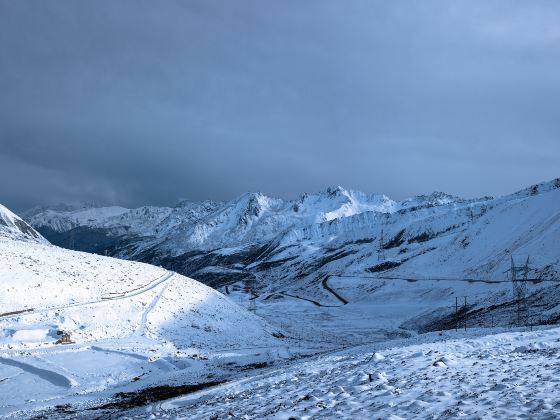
337 231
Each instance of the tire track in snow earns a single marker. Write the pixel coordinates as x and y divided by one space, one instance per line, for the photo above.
48 375
141 330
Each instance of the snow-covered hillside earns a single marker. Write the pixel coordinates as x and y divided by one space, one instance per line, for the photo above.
420 254
255 229
41 280
507 375
12 226
130 324
282 245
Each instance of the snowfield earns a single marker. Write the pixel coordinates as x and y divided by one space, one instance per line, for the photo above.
36 275
100 297
506 375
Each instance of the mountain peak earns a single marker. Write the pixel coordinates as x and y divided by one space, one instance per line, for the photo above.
13 227
335 190
539 188
437 198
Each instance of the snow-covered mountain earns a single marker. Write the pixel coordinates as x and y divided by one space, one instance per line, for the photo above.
12 226
253 217
325 271
41 278
336 230
129 324
437 246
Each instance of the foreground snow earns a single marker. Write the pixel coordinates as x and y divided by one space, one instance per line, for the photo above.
507 375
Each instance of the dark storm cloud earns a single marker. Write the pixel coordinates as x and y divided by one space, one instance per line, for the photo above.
136 102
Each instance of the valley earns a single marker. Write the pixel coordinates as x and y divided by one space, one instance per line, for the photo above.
127 326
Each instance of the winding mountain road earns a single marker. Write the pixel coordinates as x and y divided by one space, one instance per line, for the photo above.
326 286
141 330
124 295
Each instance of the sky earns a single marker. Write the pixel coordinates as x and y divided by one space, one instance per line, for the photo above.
141 102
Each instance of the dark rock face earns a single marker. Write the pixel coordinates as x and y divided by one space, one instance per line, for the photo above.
26 229
13 226
384 266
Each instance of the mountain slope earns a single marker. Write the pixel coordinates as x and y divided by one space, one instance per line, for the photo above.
12 226
395 265
39 279
130 324
327 270
255 233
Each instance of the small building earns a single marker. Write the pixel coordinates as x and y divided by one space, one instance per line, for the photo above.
65 337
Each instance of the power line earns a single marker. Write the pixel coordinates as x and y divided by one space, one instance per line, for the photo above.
519 287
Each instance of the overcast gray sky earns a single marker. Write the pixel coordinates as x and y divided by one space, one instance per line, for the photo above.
137 102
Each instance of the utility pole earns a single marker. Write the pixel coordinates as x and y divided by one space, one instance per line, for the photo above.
253 304
249 289
465 313
382 246
71 241
519 287
456 313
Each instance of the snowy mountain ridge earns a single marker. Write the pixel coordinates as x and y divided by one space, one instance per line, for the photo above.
12 226
336 231
252 216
